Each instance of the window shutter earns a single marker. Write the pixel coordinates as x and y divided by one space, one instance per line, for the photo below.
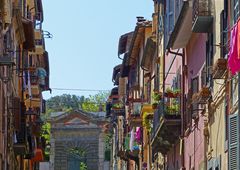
233 155
194 90
169 20
166 21
209 59
171 16
223 33
17 113
203 76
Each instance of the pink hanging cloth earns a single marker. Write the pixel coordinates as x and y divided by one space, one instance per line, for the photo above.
233 56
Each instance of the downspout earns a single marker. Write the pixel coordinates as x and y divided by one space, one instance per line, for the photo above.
182 100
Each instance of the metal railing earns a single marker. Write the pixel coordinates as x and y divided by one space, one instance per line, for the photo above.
201 8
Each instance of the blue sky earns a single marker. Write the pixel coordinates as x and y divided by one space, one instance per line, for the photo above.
83 50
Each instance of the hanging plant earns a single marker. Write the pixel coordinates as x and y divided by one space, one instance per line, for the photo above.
154 106
147 122
169 93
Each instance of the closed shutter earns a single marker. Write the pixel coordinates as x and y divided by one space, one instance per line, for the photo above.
194 90
209 59
17 113
233 155
204 77
169 20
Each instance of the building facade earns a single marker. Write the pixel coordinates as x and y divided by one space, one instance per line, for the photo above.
24 74
78 139
182 80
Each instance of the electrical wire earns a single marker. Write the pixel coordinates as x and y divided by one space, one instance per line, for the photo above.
72 89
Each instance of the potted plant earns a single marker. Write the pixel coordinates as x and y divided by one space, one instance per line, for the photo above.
176 92
117 106
154 105
169 92
157 96
205 92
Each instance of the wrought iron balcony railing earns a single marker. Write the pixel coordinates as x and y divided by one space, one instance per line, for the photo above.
202 16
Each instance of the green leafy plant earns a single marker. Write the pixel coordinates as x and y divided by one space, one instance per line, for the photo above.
118 105
157 96
147 123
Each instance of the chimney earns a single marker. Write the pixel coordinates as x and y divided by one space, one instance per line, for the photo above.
140 19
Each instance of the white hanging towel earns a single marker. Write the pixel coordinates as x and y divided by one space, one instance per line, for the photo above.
131 140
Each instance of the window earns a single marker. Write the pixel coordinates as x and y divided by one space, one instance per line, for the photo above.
203 76
169 20
235 11
234 91
195 88
209 60
223 33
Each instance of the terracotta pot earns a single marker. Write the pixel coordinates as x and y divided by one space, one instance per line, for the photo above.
154 106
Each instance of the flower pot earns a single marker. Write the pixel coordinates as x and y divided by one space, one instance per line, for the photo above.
154 106
170 94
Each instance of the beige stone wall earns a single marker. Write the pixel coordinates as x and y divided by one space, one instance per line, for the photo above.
216 114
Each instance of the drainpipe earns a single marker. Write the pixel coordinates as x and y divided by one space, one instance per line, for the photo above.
182 99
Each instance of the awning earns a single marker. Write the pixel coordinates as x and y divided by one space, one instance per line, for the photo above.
148 54
29 43
116 70
114 91
124 42
125 66
135 46
38 155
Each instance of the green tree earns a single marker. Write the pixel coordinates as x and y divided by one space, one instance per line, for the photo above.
64 102
95 103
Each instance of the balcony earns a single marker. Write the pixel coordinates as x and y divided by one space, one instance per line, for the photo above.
118 109
202 17
202 96
20 147
39 42
29 34
135 120
219 68
166 129
6 61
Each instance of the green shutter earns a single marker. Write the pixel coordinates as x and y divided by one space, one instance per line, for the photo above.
233 155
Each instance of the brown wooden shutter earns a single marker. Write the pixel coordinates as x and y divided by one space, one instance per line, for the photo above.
17 113
194 86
